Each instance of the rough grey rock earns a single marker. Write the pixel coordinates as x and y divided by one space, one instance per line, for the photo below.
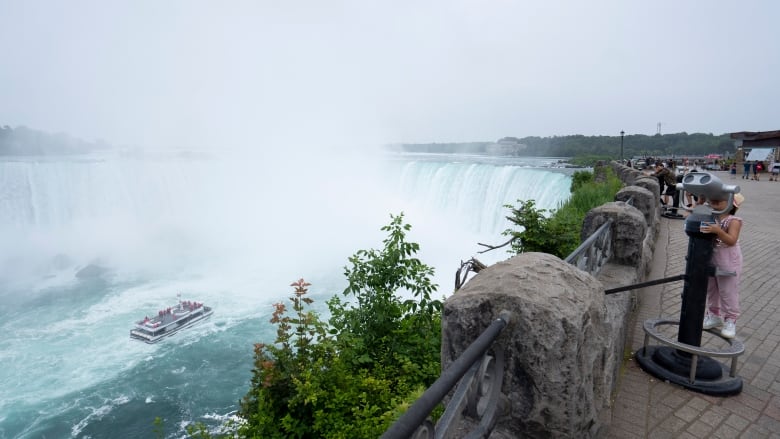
557 345
628 175
651 184
628 230
619 307
642 199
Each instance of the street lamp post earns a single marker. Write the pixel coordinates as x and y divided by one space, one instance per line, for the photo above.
621 146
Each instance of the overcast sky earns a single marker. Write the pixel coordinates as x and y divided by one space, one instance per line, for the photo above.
254 73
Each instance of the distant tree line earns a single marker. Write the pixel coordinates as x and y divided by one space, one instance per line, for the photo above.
696 144
25 141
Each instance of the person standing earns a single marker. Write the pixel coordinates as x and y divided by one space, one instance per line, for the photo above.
723 291
733 171
775 170
666 178
746 174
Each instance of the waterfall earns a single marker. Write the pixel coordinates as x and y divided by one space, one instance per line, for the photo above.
171 212
476 193
231 232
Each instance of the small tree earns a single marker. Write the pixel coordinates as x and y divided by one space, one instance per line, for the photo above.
302 343
533 237
375 277
349 377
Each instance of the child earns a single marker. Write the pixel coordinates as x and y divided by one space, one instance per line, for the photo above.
723 291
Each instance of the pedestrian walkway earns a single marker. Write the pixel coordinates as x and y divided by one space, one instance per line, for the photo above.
645 407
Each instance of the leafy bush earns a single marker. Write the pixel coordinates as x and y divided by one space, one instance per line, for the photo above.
349 377
558 232
580 178
374 279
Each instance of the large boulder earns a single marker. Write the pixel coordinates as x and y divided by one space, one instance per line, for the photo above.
641 198
557 345
626 174
628 231
650 183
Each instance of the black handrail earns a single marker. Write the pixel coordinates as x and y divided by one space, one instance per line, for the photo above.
416 415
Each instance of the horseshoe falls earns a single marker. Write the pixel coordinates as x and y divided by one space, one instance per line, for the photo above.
475 192
90 244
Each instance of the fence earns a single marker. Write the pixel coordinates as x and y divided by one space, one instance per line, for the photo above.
478 377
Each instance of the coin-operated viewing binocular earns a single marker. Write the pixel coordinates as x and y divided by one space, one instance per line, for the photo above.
685 362
710 187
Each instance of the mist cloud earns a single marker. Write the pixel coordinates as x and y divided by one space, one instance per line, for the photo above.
258 74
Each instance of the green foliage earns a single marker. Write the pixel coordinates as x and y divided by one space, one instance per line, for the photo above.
558 232
374 279
579 179
279 366
534 223
198 431
589 160
592 194
348 377
159 428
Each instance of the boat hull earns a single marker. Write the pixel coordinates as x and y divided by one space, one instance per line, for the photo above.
169 330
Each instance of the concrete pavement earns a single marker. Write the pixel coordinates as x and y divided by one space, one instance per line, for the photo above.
645 407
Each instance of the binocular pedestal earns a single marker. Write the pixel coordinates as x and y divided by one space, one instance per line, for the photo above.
684 361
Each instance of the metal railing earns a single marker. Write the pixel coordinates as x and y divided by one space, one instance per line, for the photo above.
478 377
595 251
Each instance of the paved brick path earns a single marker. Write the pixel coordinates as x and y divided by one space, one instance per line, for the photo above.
645 407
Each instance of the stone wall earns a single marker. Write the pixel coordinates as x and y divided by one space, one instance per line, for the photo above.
566 340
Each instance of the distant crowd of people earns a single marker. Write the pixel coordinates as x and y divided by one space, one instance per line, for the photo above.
752 170
650 162
669 174
758 167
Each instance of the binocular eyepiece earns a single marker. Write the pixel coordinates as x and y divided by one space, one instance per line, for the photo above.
709 186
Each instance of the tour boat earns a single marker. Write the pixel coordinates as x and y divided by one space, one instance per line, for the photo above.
170 320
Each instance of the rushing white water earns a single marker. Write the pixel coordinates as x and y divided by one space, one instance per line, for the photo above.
90 244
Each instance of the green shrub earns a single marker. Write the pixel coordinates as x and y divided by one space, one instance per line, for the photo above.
349 377
580 178
375 277
558 232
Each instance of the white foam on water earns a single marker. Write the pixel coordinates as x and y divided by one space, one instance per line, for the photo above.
98 413
227 424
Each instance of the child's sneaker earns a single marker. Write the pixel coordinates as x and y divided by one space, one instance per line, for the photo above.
729 329
711 321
